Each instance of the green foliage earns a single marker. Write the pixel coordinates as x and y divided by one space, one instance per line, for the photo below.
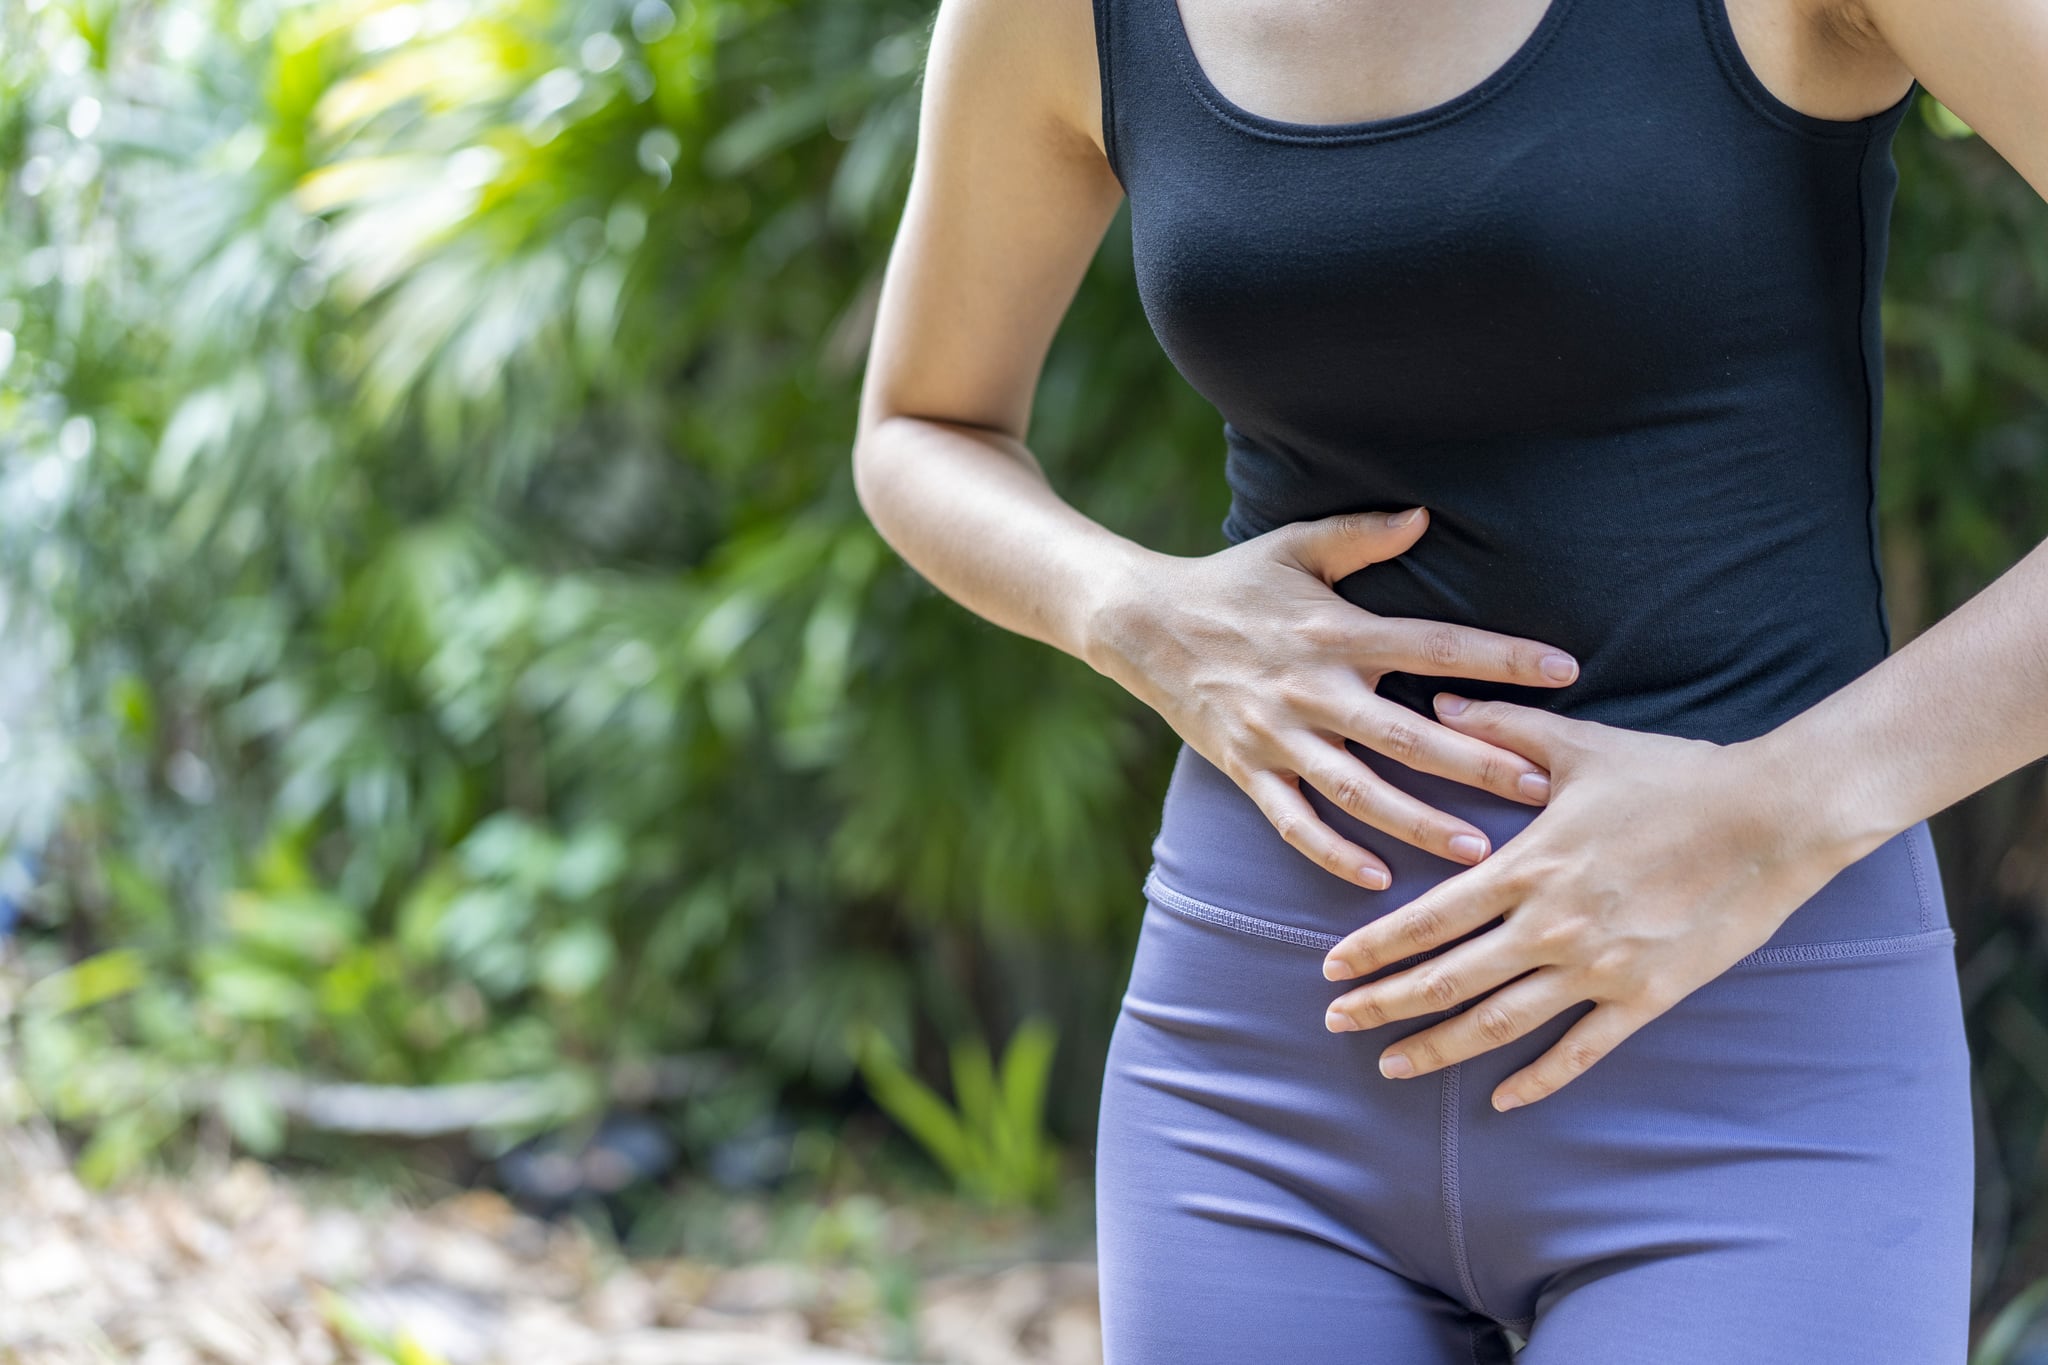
993 1143
1997 1343
424 475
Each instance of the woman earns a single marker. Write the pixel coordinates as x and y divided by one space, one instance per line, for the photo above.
1542 699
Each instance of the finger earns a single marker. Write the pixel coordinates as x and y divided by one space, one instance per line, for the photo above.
1543 736
1409 644
1336 546
1336 772
1583 1044
1297 822
1452 907
1436 983
1499 1018
1389 728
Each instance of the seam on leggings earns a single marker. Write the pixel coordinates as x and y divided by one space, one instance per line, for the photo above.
1879 946
1849 947
1920 880
1454 1211
1180 904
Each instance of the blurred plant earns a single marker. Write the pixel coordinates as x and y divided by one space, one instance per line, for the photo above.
994 1143
395 1348
1999 1341
424 439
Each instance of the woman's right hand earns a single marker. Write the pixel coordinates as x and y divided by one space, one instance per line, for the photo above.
1255 660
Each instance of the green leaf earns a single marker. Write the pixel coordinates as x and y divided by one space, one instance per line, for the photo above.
95 980
251 1114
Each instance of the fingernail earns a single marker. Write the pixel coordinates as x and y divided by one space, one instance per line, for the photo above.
1334 969
1469 846
1535 786
1403 518
1449 704
1506 1102
1337 1023
1561 667
1394 1066
1375 878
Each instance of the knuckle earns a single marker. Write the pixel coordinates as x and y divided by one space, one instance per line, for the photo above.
1660 992
1425 922
1325 632
1351 791
1576 1057
1556 935
1360 721
1403 739
1612 963
1441 645
1495 1024
1358 523
1289 692
1422 832
1439 989
1492 772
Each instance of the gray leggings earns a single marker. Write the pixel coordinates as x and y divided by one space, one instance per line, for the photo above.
1778 1169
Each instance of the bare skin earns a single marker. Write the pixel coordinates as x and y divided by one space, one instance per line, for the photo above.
1655 862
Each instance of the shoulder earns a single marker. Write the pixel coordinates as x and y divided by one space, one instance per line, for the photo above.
1035 59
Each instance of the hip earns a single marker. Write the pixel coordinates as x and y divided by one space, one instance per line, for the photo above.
1216 856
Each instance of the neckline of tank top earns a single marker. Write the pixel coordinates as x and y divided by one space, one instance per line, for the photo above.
1357 130
1721 33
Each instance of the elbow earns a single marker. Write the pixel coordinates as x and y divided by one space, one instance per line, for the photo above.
868 438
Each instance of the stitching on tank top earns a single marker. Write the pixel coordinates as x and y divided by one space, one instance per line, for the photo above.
1881 945
1870 389
1105 37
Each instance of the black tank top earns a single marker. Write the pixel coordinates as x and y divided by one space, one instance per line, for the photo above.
1611 315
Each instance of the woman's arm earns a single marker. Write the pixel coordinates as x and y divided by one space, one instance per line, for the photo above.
1007 205
1965 702
1248 653
1958 707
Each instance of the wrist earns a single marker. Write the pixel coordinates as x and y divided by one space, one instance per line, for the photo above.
1825 803
1115 612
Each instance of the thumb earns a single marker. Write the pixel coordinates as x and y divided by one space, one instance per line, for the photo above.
1543 737
1332 547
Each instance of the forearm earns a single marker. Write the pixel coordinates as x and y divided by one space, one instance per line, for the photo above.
971 510
1960 706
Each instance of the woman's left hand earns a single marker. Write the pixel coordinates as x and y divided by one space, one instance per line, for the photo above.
1657 864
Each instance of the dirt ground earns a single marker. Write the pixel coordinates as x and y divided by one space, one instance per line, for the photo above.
244 1267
